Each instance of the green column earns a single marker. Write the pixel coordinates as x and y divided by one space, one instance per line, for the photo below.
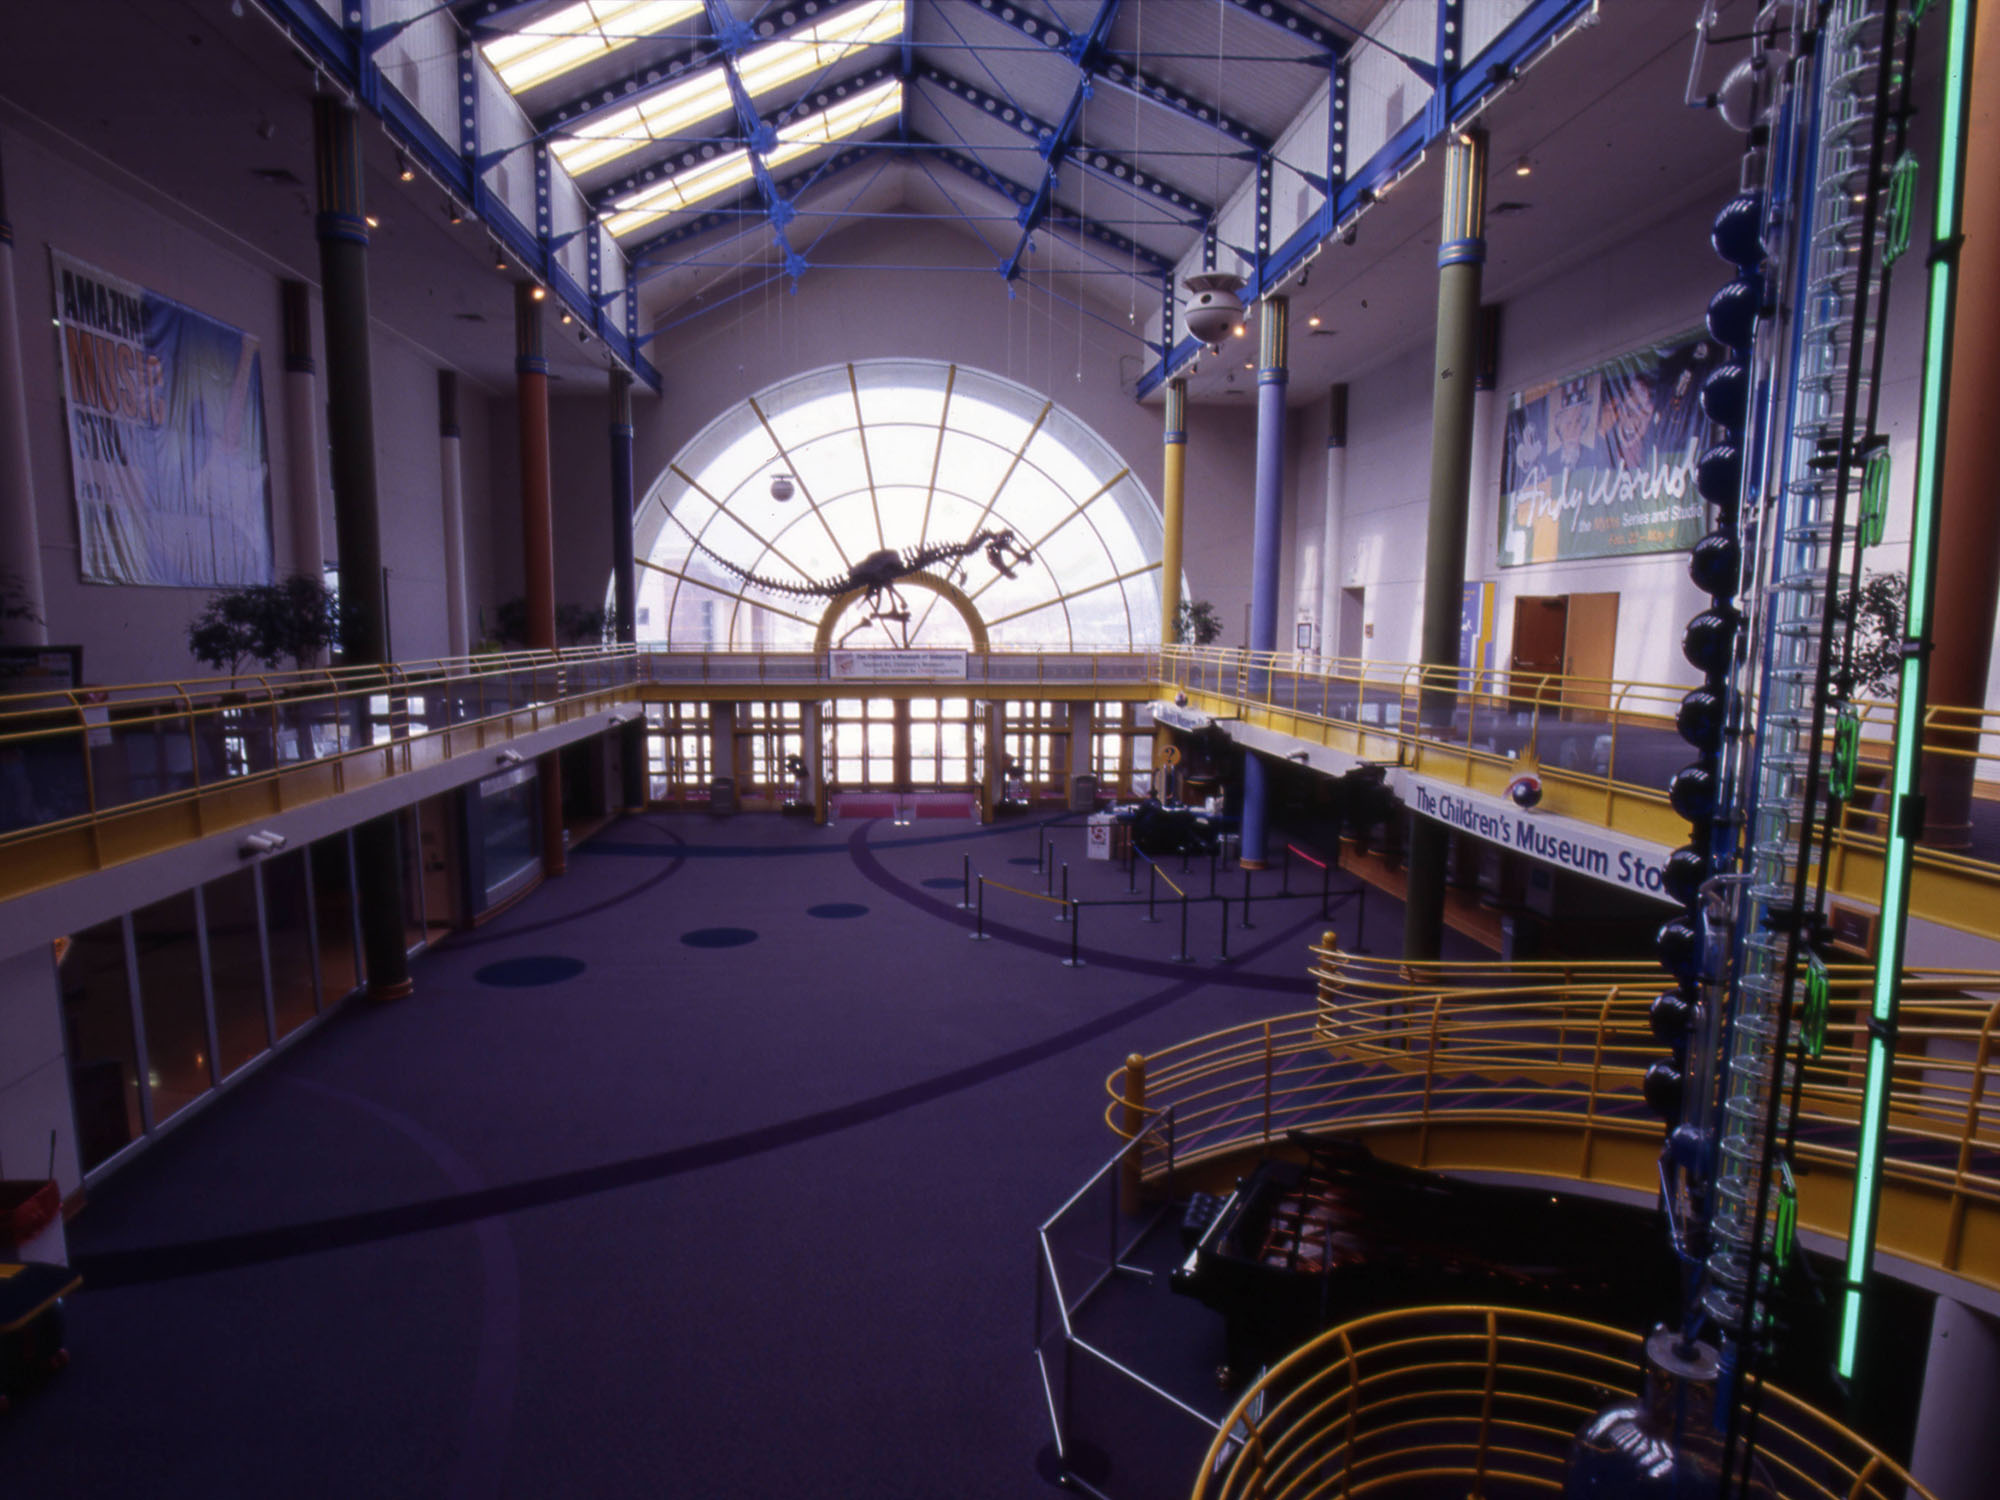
342 228
1460 256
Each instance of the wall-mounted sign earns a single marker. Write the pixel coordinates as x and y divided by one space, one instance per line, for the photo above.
1567 843
165 407
899 664
1602 463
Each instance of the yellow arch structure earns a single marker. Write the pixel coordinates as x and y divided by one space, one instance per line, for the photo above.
952 595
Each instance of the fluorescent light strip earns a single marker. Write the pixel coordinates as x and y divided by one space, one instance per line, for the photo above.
685 189
666 113
1909 697
578 34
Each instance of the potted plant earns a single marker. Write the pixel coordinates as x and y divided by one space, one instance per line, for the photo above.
1196 623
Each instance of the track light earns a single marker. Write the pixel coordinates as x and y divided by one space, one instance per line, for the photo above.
499 261
536 293
404 171
567 320
263 841
1523 167
453 212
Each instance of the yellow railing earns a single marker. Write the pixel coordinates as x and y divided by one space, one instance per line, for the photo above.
1537 1070
1483 1401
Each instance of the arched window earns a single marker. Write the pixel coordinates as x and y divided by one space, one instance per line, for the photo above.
897 455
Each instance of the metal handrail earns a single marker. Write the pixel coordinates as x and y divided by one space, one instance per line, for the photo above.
1394 1403
1529 1051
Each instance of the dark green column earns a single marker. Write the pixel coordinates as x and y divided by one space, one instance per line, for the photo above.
343 262
1460 258
625 582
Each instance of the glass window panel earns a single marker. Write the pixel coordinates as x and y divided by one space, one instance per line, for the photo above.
170 988
294 995
103 1054
509 806
333 917
236 967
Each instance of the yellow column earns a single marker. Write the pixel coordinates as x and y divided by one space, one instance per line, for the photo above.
1173 493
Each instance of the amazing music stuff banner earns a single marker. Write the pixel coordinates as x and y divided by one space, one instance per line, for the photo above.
1602 463
166 436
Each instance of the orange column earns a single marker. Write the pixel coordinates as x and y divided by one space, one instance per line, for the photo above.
1968 564
538 551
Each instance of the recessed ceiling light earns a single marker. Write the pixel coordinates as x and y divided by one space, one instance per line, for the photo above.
1523 167
404 171
1240 331
536 293
1313 321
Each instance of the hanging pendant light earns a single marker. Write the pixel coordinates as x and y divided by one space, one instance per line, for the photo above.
1214 308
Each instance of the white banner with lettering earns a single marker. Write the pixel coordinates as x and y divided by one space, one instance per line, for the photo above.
899 664
1566 843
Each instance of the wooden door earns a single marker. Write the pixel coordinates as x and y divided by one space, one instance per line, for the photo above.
1540 628
1589 644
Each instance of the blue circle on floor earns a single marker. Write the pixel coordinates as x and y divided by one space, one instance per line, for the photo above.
719 937
525 973
1024 859
946 883
837 909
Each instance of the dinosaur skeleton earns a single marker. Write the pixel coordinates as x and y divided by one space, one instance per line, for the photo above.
876 575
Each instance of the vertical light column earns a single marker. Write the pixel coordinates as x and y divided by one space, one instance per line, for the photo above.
342 229
1173 502
1334 507
23 603
302 436
1461 258
538 547
1968 566
451 507
625 581
1266 528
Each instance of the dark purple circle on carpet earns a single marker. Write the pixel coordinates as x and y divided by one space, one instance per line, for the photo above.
525 973
1024 859
719 937
837 909
946 883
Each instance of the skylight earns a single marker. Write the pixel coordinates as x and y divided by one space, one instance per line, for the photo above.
578 34
732 168
668 112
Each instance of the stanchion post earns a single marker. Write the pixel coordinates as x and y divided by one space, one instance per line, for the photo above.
1131 869
1062 912
1224 958
979 923
1134 1122
1075 959
1152 891
1246 900
965 900
1184 957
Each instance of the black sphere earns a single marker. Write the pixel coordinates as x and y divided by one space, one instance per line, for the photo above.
1669 1016
1732 313
1709 639
1663 1088
1693 793
1725 396
1700 719
1718 477
1714 563
1679 947
1687 868
1736 233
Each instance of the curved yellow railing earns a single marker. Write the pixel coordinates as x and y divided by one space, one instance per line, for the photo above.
1537 1070
1486 1399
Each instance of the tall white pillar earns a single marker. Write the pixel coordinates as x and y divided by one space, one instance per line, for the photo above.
451 492
722 742
809 752
1332 511
305 446
24 615
1482 530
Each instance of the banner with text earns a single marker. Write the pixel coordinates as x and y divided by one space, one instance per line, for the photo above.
166 436
1602 463
900 664
1566 843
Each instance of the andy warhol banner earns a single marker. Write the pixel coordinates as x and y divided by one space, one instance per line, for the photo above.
1602 463
166 436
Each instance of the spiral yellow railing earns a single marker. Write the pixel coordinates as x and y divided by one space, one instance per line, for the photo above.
1536 1069
1484 1400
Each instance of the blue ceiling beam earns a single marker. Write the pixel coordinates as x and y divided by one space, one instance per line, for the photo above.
1126 76
493 15
1056 216
1085 52
1463 90
1313 31
1116 169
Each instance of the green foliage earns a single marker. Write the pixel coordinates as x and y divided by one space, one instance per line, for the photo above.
575 625
1196 623
267 623
1877 626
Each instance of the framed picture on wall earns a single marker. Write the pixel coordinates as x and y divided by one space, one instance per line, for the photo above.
1305 641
